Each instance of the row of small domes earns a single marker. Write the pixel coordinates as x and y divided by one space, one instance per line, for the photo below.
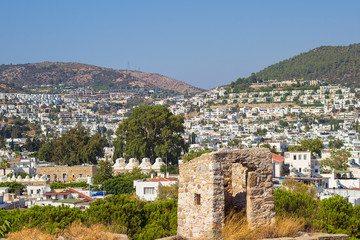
134 163
19 178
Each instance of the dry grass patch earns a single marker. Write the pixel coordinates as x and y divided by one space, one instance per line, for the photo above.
76 231
236 228
30 234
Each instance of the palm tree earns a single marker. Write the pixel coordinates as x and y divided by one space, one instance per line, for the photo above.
4 164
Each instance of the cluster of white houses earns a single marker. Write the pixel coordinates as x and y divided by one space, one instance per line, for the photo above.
302 166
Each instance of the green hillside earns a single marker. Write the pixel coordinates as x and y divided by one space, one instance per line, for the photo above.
340 65
336 65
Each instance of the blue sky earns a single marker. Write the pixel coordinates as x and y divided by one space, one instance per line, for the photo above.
204 43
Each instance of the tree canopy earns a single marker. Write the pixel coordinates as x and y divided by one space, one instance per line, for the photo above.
123 183
336 143
104 172
151 131
74 147
312 145
338 160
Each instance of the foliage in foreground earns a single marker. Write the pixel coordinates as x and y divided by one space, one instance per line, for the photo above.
121 214
331 215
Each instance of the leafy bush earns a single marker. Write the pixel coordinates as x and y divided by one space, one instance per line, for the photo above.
123 183
67 185
336 215
331 215
298 205
194 154
122 214
13 186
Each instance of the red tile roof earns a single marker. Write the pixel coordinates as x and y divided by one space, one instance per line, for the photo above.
277 158
16 159
161 179
81 194
67 192
56 193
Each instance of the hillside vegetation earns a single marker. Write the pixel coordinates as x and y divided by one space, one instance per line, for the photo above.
333 65
13 77
338 65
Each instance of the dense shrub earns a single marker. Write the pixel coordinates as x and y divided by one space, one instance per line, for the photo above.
298 205
67 185
331 215
13 186
123 183
122 214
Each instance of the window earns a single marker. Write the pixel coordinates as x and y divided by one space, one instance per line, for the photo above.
149 190
304 156
299 169
294 157
299 156
197 199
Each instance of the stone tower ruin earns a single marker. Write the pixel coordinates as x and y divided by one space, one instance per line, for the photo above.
214 183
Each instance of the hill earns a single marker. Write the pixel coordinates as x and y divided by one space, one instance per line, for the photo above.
334 65
337 65
78 74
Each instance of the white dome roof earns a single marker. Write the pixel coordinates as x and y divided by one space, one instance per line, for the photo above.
157 165
133 163
120 164
145 164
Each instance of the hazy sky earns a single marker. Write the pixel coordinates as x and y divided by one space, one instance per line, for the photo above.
204 43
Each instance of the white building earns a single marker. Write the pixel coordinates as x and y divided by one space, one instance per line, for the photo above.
301 163
148 189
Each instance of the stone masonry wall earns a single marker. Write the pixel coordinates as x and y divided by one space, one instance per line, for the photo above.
224 180
76 171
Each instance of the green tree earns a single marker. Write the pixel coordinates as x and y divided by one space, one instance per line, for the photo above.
46 151
272 149
104 172
151 131
172 169
313 145
74 147
297 205
336 215
294 186
194 154
336 143
167 192
13 186
123 183
4 164
338 160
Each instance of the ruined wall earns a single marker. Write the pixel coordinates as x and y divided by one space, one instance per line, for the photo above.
224 180
201 178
